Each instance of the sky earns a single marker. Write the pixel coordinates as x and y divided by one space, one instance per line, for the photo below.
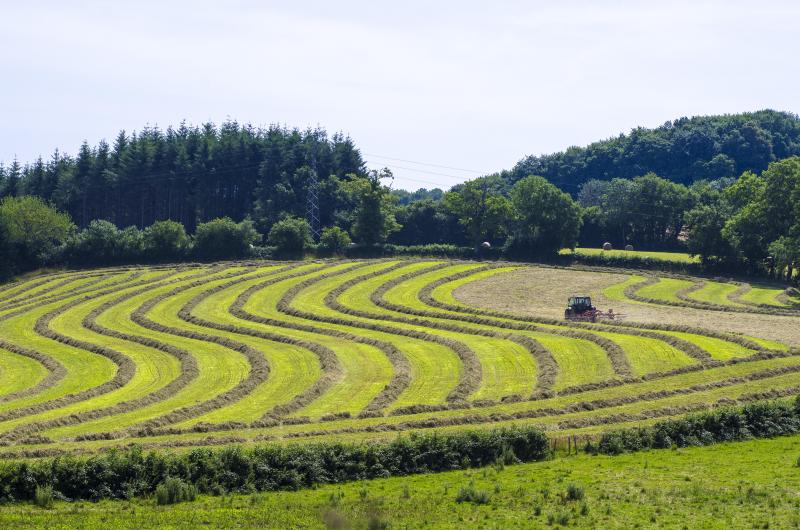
439 92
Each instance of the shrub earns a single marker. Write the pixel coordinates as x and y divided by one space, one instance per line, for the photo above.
103 243
470 494
173 491
224 239
290 235
43 497
165 240
574 492
334 240
35 230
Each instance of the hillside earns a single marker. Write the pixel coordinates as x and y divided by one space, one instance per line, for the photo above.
319 350
683 150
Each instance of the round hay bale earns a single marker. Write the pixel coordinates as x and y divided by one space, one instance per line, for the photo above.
629 248
608 246
486 245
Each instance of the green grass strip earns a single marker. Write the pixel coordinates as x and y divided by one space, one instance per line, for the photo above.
715 293
763 296
665 289
768 344
617 291
18 372
678 257
721 350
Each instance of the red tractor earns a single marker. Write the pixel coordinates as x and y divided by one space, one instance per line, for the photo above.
581 308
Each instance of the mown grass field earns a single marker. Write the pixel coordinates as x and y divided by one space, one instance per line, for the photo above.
179 357
751 484
212 354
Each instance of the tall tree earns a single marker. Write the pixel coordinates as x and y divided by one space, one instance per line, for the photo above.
546 218
372 207
480 207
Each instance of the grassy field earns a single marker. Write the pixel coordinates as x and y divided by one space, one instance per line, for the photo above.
177 358
678 257
355 350
739 485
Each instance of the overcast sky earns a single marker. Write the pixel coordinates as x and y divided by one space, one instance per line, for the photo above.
468 85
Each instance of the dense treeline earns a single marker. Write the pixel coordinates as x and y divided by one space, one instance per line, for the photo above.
684 151
130 473
191 175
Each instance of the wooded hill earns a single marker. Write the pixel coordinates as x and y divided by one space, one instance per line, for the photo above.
684 150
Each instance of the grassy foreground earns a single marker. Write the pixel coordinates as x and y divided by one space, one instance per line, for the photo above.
751 484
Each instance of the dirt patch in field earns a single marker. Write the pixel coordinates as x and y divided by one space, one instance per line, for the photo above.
544 292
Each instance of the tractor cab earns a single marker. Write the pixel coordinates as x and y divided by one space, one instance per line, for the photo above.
580 304
580 308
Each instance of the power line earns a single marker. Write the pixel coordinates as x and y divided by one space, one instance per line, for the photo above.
425 172
429 164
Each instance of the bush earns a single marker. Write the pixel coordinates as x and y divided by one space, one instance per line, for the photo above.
165 241
470 494
261 252
290 236
334 240
224 239
173 491
43 497
102 243
574 492
34 230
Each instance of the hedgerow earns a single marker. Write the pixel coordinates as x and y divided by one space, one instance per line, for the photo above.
130 473
754 420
